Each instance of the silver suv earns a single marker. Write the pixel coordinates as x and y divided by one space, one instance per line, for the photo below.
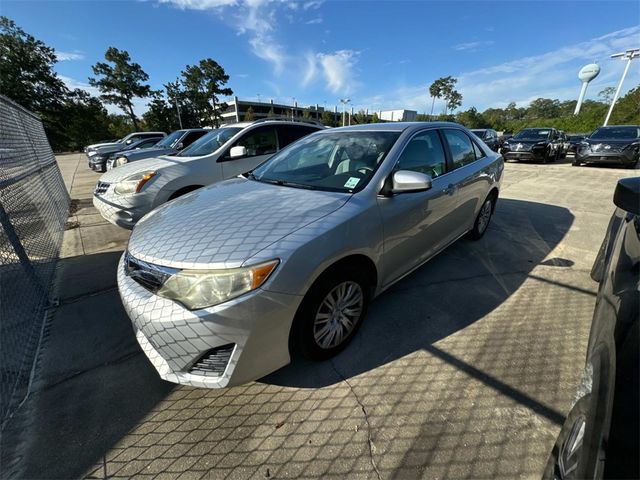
124 194
220 283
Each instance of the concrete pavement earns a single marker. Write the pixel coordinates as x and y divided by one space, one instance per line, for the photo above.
464 369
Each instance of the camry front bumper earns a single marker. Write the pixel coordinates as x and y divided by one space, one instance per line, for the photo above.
228 344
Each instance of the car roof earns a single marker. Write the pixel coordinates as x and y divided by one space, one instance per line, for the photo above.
394 126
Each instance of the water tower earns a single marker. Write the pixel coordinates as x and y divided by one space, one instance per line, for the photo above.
586 74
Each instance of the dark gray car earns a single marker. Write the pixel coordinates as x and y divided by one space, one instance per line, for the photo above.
170 145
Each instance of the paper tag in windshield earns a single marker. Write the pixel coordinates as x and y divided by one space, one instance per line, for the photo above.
352 182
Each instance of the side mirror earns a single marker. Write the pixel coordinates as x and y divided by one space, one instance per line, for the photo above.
180 146
128 142
627 195
408 181
237 152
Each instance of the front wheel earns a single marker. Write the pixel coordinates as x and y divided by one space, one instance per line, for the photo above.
330 314
482 220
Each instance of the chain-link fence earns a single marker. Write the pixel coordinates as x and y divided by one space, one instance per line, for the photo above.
33 208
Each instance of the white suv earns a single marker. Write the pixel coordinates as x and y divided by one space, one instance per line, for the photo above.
127 193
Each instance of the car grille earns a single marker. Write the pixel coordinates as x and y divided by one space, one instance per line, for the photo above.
150 276
101 187
522 147
214 362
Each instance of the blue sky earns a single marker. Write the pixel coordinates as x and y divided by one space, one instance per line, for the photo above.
381 54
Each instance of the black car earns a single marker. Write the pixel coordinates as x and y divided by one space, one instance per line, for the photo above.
600 437
538 144
98 163
614 144
488 136
574 142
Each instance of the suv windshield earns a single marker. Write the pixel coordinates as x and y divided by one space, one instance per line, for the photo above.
532 134
168 141
479 133
339 162
210 142
616 133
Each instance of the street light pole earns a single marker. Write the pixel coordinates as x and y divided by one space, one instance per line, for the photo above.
178 109
344 102
629 55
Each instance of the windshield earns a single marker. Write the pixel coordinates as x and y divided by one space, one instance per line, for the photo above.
575 137
479 133
616 133
210 142
532 134
169 140
340 161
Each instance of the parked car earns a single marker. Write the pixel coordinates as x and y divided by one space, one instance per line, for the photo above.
98 162
169 145
600 437
123 195
103 148
490 137
565 143
612 144
538 144
220 283
574 142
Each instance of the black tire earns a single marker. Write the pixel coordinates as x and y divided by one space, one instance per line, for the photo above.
481 225
183 191
631 164
305 327
576 163
545 157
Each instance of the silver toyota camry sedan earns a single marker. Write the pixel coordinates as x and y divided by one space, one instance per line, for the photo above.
223 283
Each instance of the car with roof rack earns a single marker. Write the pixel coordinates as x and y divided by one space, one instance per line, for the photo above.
169 145
223 284
125 194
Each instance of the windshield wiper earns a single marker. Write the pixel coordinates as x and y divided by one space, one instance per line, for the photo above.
280 182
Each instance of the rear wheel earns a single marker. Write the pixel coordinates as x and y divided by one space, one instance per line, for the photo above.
330 314
576 162
484 217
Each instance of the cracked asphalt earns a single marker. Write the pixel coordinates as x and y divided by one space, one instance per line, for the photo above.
464 369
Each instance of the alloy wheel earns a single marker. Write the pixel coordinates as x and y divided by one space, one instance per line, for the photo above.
338 314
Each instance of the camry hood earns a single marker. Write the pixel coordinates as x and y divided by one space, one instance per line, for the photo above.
155 163
223 225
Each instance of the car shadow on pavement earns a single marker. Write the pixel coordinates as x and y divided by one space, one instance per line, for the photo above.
452 291
414 380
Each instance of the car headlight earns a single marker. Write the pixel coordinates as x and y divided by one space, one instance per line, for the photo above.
584 146
91 153
204 288
133 183
121 161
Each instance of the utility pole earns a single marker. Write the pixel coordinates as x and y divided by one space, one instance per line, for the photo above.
178 109
344 102
629 55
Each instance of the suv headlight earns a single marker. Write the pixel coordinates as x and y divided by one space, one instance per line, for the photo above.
133 183
121 161
204 288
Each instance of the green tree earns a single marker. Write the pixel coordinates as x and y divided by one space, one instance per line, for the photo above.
444 88
606 95
249 115
204 85
360 118
26 70
627 109
306 114
271 113
375 118
161 115
121 81
471 119
327 119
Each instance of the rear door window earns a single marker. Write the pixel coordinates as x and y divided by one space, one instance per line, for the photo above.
424 154
287 134
460 146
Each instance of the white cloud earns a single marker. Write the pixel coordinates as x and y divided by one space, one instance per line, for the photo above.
338 70
314 21
551 75
313 4
68 56
473 46
199 4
